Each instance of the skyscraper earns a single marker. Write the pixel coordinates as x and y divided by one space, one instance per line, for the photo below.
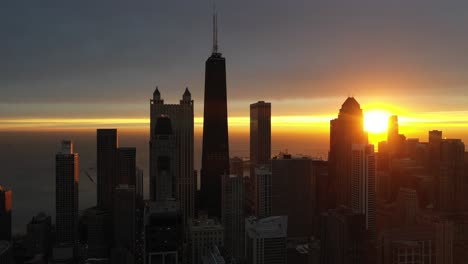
38 234
260 134
163 232
233 219
215 156
293 193
162 156
107 144
181 122
66 195
5 213
266 240
204 233
343 237
261 181
345 130
451 181
126 166
363 184
124 218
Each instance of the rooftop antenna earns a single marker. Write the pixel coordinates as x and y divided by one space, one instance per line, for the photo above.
215 29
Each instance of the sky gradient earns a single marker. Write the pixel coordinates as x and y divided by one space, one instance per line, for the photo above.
90 64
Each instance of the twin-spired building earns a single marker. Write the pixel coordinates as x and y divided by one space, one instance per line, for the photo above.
171 152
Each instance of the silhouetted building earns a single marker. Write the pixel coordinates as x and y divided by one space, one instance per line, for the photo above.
107 170
121 256
408 206
6 252
260 134
126 166
411 244
233 219
266 240
451 181
6 197
450 242
345 131
124 218
182 123
139 185
214 257
163 233
293 193
236 166
94 221
343 237
395 140
363 184
435 139
215 153
204 233
163 151
261 180
66 195
38 237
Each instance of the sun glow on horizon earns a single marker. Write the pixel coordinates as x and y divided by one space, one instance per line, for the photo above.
376 121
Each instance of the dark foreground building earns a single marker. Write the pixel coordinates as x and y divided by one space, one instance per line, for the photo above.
215 156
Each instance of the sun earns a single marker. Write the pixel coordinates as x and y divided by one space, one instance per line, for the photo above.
376 121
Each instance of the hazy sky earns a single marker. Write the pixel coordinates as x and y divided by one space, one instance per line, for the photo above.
102 59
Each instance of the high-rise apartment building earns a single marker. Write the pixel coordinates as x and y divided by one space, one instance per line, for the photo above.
345 131
181 120
107 169
266 240
363 198
215 153
233 219
5 213
66 195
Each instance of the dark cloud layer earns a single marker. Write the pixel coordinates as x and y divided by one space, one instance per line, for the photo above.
116 51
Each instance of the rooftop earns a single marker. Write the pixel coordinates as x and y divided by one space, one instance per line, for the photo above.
270 227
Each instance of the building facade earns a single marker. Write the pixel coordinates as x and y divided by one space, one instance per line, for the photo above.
363 198
163 149
215 152
233 218
107 144
66 194
204 234
6 197
182 122
266 240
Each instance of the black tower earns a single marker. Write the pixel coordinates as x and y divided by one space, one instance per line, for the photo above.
215 156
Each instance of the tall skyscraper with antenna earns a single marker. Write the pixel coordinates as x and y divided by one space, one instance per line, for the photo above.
215 154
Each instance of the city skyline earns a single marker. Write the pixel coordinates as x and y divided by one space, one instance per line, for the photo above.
275 167
412 70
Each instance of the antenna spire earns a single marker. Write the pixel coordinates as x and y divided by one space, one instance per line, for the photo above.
215 29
